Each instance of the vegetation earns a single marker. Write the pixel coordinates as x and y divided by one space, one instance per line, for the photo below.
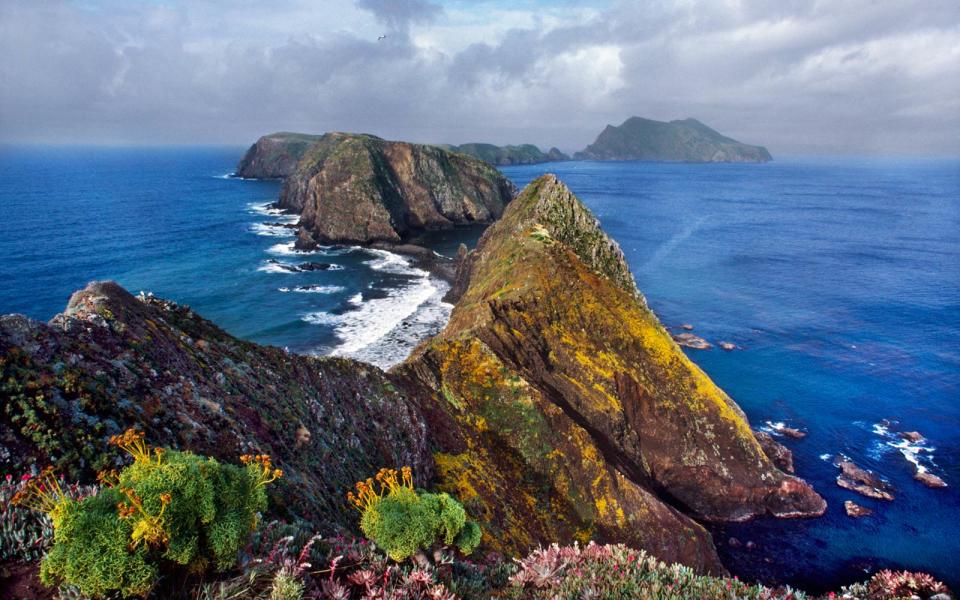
167 511
404 521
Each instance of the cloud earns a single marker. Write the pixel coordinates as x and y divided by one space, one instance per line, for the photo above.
863 76
398 15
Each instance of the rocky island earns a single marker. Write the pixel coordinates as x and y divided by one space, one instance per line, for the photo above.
688 140
524 154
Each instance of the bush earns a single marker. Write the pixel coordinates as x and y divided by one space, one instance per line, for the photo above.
168 510
25 534
404 521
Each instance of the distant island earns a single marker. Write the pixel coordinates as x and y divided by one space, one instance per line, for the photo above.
524 154
276 155
688 140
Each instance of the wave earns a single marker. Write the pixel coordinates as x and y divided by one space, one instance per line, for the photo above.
270 209
278 266
917 453
288 249
269 230
384 330
314 289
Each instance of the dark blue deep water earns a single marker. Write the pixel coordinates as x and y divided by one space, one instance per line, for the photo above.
839 279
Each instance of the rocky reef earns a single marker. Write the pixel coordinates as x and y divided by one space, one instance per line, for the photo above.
113 361
524 154
688 140
351 188
275 156
560 408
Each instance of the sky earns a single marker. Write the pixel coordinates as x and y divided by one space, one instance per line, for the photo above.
825 77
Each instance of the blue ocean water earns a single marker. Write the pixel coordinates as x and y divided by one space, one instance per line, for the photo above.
169 220
839 280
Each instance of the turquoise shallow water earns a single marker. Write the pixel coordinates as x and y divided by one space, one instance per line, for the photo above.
840 280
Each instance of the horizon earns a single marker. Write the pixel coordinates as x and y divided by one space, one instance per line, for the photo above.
862 79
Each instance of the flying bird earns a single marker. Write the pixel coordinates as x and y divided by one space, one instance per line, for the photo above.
382 37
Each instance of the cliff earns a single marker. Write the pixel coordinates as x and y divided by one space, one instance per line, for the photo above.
351 188
688 140
559 407
524 154
274 156
113 361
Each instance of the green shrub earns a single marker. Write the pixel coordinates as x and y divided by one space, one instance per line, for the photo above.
403 521
167 511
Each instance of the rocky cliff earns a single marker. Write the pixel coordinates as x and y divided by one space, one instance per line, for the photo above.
688 140
560 408
351 188
524 154
113 361
554 404
275 156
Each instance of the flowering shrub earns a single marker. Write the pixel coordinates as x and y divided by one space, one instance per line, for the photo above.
25 534
615 571
404 521
166 510
894 585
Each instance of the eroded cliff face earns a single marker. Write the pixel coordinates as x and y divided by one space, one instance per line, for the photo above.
113 361
560 408
275 156
351 188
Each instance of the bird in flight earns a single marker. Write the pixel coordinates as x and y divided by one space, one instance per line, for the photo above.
382 37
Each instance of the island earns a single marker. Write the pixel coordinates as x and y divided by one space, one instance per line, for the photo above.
524 154
687 140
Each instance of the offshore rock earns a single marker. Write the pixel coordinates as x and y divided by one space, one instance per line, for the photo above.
560 408
113 361
353 188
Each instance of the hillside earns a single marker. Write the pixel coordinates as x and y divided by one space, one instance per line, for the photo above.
688 140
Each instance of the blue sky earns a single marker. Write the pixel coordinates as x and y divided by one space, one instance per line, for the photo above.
800 76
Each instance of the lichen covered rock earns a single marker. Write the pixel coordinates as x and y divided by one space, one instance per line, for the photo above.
113 361
564 408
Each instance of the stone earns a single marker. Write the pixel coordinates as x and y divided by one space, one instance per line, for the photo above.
690 340
929 479
727 346
855 510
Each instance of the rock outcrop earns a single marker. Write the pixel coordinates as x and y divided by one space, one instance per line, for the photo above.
275 156
351 188
113 361
524 154
688 140
560 408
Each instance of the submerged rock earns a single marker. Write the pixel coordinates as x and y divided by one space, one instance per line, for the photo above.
727 346
561 409
855 510
929 479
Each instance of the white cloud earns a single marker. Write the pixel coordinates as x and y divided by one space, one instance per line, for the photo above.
796 75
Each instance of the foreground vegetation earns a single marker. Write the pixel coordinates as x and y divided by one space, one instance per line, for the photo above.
177 525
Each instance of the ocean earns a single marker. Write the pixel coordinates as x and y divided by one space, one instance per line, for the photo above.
838 279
